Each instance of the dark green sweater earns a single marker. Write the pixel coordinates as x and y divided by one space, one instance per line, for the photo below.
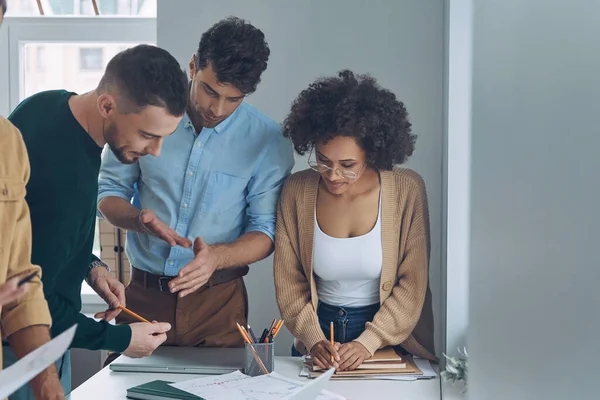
61 194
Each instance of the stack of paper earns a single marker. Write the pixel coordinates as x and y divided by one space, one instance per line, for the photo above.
385 362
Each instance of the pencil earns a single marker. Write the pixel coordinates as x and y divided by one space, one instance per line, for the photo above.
27 279
244 333
278 329
251 333
331 336
272 325
264 335
248 340
134 315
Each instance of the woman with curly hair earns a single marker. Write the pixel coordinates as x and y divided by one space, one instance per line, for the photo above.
352 237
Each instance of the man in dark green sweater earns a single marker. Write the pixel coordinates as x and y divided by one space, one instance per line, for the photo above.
139 101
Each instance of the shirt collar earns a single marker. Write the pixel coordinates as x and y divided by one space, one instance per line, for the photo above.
186 122
229 120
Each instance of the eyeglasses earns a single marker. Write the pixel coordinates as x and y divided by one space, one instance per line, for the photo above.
323 169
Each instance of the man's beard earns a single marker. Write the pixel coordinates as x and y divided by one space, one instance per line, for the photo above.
110 135
197 117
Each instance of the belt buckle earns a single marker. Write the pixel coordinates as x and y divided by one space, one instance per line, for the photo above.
161 281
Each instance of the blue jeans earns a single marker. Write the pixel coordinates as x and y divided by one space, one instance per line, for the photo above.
348 322
63 367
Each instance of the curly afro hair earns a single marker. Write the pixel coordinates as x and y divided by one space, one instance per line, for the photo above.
353 106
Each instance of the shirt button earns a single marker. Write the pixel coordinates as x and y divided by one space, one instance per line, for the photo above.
198 144
190 173
185 205
170 262
387 286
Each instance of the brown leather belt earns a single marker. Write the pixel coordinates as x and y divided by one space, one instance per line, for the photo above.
162 282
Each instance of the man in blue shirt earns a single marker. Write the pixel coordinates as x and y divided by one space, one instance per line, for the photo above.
205 208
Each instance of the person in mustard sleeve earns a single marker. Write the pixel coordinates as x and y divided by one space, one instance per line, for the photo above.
352 236
24 316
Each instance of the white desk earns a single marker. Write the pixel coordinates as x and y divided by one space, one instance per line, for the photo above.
453 391
107 384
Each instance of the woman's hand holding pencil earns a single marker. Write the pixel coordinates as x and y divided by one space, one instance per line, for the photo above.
325 355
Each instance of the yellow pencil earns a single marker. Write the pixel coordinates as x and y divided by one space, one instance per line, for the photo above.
134 315
331 336
278 328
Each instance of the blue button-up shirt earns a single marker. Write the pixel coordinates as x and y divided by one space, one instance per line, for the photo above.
218 185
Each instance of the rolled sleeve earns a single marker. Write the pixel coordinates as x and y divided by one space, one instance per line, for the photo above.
265 185
115 178
32 308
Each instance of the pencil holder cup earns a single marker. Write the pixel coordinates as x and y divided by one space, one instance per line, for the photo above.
259 359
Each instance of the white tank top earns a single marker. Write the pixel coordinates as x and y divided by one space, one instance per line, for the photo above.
348 270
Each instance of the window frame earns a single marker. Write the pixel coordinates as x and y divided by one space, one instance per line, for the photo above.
84 29
17 31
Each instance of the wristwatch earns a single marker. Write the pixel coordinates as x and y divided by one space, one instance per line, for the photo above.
94 264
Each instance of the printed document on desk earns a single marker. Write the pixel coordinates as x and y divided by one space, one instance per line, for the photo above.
237 386
21 372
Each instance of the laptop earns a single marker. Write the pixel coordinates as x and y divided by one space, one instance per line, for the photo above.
184 360
312 389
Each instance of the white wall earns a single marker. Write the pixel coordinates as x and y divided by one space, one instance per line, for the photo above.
400 43
457 147
535 196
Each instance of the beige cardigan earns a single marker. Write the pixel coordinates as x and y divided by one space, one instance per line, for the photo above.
406 316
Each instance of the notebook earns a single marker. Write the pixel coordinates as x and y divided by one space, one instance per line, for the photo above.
387 354
157 390
383 359
184 360
385 362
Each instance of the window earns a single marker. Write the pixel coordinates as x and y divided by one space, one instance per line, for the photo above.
75 66
79 49
41 58
132 8
70 52
91 59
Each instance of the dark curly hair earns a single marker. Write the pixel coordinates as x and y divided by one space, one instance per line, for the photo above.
237 52
354 106
146 75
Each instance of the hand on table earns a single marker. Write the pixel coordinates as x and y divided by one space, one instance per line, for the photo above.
352 354
151 224
11 291
321 354
47 386
110 289
197 272
145 338
51 391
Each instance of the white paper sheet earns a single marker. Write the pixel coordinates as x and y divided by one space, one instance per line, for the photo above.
21 372
237 386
